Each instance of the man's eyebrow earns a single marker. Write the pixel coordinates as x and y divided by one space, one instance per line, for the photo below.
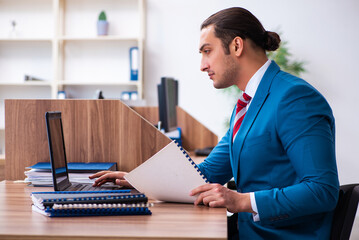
203 46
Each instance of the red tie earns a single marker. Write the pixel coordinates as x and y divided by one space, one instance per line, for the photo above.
240 113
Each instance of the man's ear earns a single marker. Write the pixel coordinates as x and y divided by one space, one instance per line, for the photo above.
238 46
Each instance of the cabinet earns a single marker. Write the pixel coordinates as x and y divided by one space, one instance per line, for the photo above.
56 41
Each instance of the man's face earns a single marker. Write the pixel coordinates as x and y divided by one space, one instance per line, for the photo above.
221 68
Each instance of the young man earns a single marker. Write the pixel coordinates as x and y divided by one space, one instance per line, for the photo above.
280 146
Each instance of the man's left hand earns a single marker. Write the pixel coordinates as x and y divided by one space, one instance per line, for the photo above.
216 195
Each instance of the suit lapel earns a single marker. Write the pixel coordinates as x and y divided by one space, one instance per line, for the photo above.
235 169
260 97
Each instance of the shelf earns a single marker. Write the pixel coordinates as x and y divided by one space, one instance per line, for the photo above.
56 41
134 83
99 38
34 39
32 83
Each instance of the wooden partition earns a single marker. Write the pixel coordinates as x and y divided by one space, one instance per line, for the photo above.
94 130
194 134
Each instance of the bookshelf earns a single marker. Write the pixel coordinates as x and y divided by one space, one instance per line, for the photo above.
56 41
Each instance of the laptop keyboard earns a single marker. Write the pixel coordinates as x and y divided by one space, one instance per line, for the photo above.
85 187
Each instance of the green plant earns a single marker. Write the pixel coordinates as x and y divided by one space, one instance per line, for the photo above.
281 57
102 16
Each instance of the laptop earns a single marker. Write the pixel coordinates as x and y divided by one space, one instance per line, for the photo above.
60 174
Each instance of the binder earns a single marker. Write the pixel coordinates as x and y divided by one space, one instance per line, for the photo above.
169 175
71 204
80 210
134 63
43 199
78 167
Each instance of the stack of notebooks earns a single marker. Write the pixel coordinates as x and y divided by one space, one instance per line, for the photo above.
105 203
40 174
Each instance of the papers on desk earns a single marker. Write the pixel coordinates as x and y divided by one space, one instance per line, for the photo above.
169 175
40 173
44 178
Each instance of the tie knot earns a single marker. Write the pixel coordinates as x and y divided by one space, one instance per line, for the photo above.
243 100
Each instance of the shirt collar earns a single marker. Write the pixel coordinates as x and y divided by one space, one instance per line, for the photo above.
253 83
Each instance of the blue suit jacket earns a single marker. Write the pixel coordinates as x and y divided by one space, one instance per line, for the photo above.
284 152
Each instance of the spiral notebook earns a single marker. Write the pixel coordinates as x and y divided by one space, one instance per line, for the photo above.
79 210
169 175
72 204
44 199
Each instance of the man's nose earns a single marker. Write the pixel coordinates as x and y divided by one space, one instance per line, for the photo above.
204 65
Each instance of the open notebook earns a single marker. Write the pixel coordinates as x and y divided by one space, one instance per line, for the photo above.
169 175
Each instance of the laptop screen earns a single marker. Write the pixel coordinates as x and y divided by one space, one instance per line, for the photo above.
57 150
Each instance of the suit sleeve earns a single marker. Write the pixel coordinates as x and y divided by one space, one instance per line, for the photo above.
305 126
216 167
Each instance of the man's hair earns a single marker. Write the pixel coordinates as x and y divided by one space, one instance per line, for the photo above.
239 22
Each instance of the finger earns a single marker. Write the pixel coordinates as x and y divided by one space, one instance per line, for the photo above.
214 200
201 195
119 175
202 188
97 184
217 204
205 197
104 178
98 174
109 177
212 193
114 175
199 199
123 183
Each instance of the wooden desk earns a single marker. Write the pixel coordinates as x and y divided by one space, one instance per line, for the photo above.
168 221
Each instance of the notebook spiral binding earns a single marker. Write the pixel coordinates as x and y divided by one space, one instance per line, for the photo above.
82 192
192 162
101 206
123 197
94 211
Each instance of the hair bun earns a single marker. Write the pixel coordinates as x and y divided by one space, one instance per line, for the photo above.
271 41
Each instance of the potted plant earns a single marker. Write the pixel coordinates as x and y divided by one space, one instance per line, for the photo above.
102 24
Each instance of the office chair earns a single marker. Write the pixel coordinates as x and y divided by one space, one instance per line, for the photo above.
345 211
232 221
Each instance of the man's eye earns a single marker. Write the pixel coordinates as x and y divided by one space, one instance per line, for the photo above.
205 51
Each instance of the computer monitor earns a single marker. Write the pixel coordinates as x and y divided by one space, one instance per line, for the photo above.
167 103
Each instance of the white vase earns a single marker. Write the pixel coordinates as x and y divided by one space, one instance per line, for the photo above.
102 28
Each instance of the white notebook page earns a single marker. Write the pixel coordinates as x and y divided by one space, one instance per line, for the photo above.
167 176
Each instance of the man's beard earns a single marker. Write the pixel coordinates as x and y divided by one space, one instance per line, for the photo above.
230 74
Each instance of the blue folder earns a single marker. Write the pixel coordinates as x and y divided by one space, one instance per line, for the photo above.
79 166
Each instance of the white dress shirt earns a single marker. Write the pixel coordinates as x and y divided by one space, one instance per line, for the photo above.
250 90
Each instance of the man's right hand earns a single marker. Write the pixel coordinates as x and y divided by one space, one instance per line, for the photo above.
116 177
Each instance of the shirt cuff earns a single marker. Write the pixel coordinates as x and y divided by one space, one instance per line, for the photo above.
254 207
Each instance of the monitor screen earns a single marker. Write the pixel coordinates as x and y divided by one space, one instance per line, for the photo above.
167 103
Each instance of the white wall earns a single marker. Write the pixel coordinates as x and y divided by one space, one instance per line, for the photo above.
323 33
